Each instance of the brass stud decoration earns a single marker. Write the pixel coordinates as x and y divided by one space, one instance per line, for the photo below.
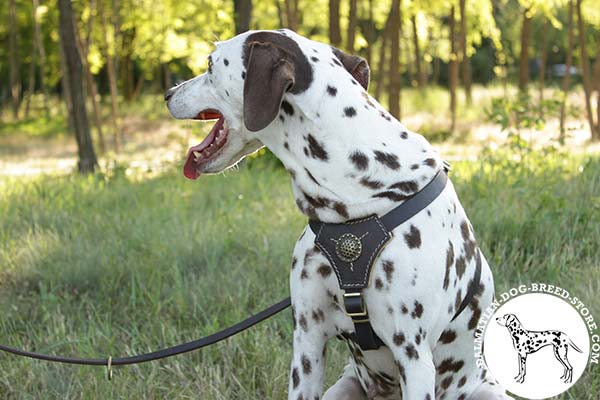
348 247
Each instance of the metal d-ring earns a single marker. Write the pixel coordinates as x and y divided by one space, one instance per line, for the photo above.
109 371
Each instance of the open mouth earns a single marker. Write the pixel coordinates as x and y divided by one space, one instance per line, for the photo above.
210 146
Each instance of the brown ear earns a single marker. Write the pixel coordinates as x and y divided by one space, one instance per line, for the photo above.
357 66
269 74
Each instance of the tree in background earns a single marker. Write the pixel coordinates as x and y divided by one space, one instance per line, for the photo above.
14 60
527 17
394 80
87 156
452 67
242 13
335 33
586 74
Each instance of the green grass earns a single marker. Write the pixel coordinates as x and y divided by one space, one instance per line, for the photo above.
111 264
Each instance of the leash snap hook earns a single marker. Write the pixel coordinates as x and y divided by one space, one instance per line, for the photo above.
109 370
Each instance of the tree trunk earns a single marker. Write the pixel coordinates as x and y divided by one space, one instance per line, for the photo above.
31 81
453 69
587 81
543 58
465 61
335 35
83 46
112 79
279 13
291 12
351 31
66 89
369 31
417 48
87 157
524 58
565 82
242 10
13 59
597 88
395 77
126 70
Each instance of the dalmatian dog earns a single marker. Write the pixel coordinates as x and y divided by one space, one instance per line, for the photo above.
348 158
527 342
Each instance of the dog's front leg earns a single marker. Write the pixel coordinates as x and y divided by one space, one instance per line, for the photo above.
308 361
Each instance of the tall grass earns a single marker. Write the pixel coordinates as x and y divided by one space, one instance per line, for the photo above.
113 264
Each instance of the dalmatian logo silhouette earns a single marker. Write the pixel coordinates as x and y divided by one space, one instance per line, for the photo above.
527 342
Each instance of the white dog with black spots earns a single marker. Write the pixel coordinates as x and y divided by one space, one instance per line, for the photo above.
349 158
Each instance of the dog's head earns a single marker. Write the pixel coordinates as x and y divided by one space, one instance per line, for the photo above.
247 79
508 320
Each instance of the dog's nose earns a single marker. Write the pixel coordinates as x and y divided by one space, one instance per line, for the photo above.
169 93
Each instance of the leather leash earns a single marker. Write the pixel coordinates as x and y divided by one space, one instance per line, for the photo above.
163 353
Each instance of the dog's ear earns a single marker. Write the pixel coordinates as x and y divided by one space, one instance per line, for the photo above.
357 66
269 74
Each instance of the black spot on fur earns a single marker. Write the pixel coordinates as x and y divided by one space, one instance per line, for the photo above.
411 352
378 284
360 160
398 338
332 91
448 336
388 159
226 62
391 195
413 238
295 378
316 149
405 186
303 274
450 365
306 367
404 309
449 264
243 74
461 382
287 108
350 112
315 59
336 62
414 167
404 135
318 315
302 322
294 261
430 162
324 270
418 311
446 382
341 209
388 268
370 184
460 266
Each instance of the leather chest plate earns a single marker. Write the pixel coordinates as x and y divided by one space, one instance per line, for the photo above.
352 248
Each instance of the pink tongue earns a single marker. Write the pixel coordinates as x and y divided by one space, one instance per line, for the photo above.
189 169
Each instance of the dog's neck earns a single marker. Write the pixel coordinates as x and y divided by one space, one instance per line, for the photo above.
348 158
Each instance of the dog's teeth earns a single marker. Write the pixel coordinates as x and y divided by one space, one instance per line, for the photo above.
197 154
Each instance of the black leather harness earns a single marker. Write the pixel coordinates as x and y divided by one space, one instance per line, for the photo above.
352 248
